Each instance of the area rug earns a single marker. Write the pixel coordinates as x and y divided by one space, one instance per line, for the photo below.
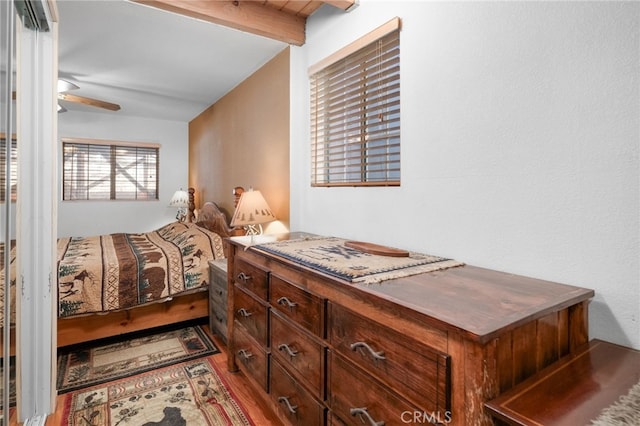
88 366
625 411
331 256
192 393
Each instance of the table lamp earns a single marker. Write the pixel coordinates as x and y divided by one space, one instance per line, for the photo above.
180 200
251 212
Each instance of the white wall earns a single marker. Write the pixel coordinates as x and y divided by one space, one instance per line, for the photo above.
82 218
520 140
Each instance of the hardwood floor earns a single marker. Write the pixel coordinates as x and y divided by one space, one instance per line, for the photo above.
255 405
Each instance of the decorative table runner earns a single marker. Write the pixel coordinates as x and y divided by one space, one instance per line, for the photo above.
331 256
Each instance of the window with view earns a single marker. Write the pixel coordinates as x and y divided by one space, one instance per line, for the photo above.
355 112
99 170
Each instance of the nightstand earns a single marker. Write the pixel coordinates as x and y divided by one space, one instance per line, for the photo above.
218 297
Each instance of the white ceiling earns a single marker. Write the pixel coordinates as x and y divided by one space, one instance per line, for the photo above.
152 63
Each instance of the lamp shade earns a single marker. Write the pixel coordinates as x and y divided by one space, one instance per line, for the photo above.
252 209
179 199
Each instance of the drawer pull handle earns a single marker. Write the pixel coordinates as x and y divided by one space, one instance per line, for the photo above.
377 356
362 412
284 301
244 313
287 348
244 278
245 354
285 400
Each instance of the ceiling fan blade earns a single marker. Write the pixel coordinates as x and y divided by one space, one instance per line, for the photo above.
65 86
88 101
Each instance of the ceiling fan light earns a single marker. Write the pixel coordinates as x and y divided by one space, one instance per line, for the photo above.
65 86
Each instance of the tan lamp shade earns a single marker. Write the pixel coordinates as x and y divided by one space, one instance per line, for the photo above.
252 209
179 199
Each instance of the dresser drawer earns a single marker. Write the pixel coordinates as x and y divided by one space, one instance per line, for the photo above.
250 357
291 401
218 284
251 314
333 420
305 308
218 296
218 322
302 354
250 277
420 373
358 399
218 272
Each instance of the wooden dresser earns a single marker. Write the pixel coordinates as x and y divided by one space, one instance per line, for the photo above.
429 348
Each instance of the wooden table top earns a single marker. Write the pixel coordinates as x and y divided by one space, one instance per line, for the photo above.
572 391
477 302
480 303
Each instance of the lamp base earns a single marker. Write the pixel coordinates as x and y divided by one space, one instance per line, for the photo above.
253 229
181 216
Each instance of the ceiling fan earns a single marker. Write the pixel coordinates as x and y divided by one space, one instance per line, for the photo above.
65 86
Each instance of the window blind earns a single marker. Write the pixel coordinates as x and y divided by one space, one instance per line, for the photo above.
107 171
355 113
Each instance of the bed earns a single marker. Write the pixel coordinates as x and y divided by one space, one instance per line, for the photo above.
114 284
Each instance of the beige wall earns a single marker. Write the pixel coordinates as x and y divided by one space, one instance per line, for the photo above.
243 140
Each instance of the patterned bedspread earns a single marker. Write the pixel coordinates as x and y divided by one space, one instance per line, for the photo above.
120 271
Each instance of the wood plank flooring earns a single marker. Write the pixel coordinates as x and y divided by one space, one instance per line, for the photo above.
255 404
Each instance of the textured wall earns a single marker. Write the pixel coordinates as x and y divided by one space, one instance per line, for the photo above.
520 138
243 140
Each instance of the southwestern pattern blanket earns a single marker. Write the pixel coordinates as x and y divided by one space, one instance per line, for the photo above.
119 271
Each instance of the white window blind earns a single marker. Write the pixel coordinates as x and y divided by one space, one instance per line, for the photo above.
355 113
109 171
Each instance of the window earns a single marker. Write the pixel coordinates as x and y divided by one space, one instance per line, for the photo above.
100 170
355 112
13 154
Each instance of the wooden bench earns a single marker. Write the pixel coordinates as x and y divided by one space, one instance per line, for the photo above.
572 391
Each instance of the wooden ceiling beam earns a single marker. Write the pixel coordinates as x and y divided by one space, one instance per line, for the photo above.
249 16
341 4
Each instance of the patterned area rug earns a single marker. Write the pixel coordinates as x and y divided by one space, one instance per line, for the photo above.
187 394
331 256
88 366
625 411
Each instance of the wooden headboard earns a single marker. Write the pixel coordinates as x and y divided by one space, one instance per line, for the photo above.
211 217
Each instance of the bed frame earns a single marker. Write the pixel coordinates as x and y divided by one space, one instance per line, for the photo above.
173 310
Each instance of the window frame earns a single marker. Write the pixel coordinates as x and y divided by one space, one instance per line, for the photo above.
114 148
355 112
